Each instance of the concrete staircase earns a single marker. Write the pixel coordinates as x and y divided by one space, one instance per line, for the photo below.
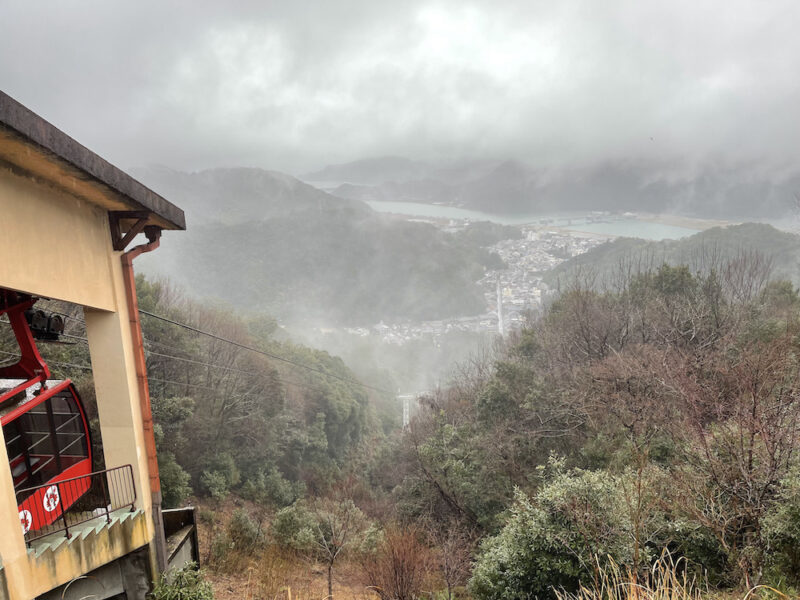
84 534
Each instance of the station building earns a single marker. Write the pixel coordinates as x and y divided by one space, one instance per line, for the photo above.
71 225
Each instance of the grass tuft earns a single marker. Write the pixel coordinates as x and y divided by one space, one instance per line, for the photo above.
668 579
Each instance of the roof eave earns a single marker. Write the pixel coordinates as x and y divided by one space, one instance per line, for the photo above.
31 129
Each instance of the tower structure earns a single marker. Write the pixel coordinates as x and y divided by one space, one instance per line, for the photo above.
501 328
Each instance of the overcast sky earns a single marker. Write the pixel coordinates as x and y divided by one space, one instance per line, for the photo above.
293 85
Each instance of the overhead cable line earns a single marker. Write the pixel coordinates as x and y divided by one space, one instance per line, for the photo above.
172 381
202 364
50 362
205 387
264 353
234 369
233 343
179 358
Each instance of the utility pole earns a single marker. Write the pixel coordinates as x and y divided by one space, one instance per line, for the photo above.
501 329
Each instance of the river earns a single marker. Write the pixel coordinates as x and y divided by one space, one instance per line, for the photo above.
612 225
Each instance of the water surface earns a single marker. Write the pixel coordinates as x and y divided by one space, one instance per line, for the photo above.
579 221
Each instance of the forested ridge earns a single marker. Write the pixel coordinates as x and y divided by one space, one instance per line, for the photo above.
707 249
265 241
659 415
339 268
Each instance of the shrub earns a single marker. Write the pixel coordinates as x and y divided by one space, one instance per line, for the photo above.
271 487
294 527
215 485
220 476
245 534
781 529
206 515
175 486
552 541
221 549
187 583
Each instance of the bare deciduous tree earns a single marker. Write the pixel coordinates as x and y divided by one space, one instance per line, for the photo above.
338 524
397 569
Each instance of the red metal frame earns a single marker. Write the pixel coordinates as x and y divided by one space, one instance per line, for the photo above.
31 366
33 370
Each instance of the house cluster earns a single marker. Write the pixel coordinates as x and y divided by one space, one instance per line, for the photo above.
521 287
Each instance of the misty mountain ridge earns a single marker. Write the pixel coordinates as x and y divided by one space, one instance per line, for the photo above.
713 190
264 241
236 195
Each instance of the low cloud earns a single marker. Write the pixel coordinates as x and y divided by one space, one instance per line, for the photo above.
292 86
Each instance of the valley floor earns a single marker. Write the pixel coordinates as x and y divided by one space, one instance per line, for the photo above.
266 575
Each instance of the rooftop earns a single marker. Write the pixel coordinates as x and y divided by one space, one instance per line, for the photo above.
32 145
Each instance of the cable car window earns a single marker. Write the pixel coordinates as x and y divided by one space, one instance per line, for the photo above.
17 458
35 428
70 434
45 441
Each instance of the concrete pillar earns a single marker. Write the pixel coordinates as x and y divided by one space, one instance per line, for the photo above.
111 352
112 355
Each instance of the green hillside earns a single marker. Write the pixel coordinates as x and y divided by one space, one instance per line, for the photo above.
701 252
337 268
264 240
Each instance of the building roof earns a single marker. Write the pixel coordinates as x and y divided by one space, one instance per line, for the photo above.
33 145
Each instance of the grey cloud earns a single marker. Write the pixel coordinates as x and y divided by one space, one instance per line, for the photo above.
291 85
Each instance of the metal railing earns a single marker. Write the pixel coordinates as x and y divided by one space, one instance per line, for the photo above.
59 505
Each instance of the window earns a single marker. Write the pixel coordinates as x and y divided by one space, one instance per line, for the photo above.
45 441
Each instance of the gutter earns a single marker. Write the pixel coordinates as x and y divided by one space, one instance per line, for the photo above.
153 234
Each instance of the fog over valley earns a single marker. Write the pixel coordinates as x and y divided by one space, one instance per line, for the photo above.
475 300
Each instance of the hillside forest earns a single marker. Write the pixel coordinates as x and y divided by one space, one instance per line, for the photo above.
439 299
659 415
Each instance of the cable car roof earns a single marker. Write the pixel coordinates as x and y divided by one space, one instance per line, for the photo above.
22 398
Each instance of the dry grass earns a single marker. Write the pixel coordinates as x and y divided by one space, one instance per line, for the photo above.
271 577
668 579
269 574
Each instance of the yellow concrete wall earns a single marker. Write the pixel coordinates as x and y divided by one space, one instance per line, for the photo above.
83 555
55 245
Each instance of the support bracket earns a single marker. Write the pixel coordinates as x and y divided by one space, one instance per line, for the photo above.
120 240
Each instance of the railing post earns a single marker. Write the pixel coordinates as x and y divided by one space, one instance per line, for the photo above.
133 487
61 507
106 495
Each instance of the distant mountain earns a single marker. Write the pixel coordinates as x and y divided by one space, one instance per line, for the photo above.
512 187
700 251
262 240
239 194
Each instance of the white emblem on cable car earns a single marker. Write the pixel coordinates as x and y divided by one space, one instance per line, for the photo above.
26 520
51 499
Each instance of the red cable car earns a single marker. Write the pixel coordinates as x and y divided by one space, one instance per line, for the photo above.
44 422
